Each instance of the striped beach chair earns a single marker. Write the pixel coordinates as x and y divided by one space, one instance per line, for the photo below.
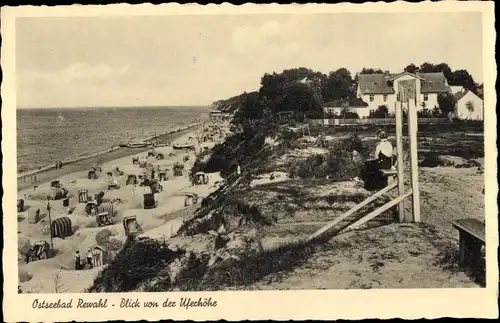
61 228
105 207
83 196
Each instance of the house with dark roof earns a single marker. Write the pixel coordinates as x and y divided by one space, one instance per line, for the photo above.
383 88
356 105
469 105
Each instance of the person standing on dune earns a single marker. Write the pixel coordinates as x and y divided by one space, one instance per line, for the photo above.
89 258
77 260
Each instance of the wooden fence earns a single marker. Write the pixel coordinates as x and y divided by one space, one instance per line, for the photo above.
384 121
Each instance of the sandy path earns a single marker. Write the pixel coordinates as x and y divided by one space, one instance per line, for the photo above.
57 274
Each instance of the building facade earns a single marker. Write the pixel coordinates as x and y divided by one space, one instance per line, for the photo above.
355 105
383 88
469 105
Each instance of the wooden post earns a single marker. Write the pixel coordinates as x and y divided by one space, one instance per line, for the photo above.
399 149
412 134
50 227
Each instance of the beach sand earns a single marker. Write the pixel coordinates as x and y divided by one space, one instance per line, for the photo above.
57 274
85 164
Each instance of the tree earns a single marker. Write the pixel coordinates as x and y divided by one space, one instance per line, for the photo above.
338 85
300 98
348 114
424 113
252 106
427 68
470 107
447 103
436 112
366 70
412 68
480 90
463 78
380 113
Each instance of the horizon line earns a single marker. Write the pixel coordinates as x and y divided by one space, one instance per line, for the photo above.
114 107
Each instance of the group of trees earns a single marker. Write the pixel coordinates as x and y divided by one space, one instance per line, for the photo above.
304 91
457 77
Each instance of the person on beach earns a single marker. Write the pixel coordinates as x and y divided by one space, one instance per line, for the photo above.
89 258
77 260
382 159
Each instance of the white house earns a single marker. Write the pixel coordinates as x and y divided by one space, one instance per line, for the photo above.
469 106
383 88
352 105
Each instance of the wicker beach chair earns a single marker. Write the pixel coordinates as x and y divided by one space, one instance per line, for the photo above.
149 201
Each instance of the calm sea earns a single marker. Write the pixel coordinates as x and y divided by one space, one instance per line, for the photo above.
45 136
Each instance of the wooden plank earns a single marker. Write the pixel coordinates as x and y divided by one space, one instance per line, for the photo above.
473 227
399 151
388 172
378 211
412 129
352 211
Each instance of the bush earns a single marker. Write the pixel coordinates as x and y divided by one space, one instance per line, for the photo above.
337 164
138 261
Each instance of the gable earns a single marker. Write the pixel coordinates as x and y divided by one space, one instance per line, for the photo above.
467 96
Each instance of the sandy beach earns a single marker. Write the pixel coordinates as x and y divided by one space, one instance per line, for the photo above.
58 274
50 172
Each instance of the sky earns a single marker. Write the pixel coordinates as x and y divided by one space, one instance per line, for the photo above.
196 60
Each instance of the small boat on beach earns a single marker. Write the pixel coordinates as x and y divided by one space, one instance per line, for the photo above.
134 144
137 145
179 146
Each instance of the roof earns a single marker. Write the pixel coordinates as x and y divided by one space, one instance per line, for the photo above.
434 83
375 83
461 94
382 83
346 103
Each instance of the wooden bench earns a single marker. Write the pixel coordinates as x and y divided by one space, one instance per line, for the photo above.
390 174
472 238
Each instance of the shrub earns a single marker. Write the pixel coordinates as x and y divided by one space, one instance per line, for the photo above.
138 261
337 164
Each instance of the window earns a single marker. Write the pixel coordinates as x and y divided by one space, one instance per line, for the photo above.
426 97
385 97
372 98
397 97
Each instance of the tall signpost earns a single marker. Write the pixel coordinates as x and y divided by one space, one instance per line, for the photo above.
408 94
50 226
400 161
